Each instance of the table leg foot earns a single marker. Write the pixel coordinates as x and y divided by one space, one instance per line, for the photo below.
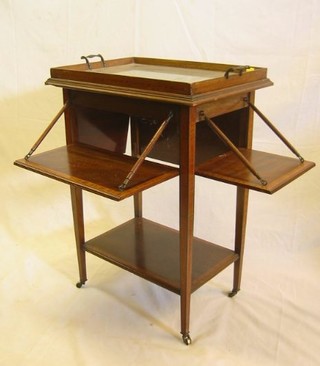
80 284
233 293
186 339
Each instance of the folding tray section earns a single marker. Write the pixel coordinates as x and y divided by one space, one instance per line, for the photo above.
275 169
100 172
151 251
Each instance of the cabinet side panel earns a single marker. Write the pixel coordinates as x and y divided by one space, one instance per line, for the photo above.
209 145
101 129
167 146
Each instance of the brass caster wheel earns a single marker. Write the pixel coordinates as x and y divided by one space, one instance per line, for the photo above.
80 284
233 293
186 339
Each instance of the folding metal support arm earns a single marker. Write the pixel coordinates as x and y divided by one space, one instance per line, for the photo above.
46 131
233 147
145 152
274 129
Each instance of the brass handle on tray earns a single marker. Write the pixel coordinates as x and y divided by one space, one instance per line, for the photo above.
236 69
92 56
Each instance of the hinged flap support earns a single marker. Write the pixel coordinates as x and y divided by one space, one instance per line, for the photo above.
233 147
46 131
146 151
274 129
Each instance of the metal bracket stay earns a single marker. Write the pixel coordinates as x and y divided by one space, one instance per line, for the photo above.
145 152
274 129
233 147
47 130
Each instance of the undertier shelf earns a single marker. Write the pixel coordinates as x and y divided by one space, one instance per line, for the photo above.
97 171
151 251
275 169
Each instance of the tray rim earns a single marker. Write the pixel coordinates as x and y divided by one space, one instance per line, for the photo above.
77 74
153 61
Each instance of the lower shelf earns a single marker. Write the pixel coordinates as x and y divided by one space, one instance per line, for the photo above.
151 251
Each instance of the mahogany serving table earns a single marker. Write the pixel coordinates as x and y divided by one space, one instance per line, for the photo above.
192 118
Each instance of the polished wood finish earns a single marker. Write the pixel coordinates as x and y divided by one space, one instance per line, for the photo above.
97 171
187 188
169 76
152 251
102 102
240 234
179 82
245 139
77 209
276 170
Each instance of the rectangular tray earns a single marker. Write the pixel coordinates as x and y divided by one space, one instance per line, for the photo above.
156 77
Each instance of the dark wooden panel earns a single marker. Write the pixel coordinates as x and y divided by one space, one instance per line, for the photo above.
101 129
123 105
208 143
167 146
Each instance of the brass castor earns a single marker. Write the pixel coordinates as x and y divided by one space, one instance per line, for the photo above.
79 284
186 339
233 293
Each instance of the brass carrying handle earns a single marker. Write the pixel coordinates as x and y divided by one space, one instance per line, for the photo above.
236 69
92 56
